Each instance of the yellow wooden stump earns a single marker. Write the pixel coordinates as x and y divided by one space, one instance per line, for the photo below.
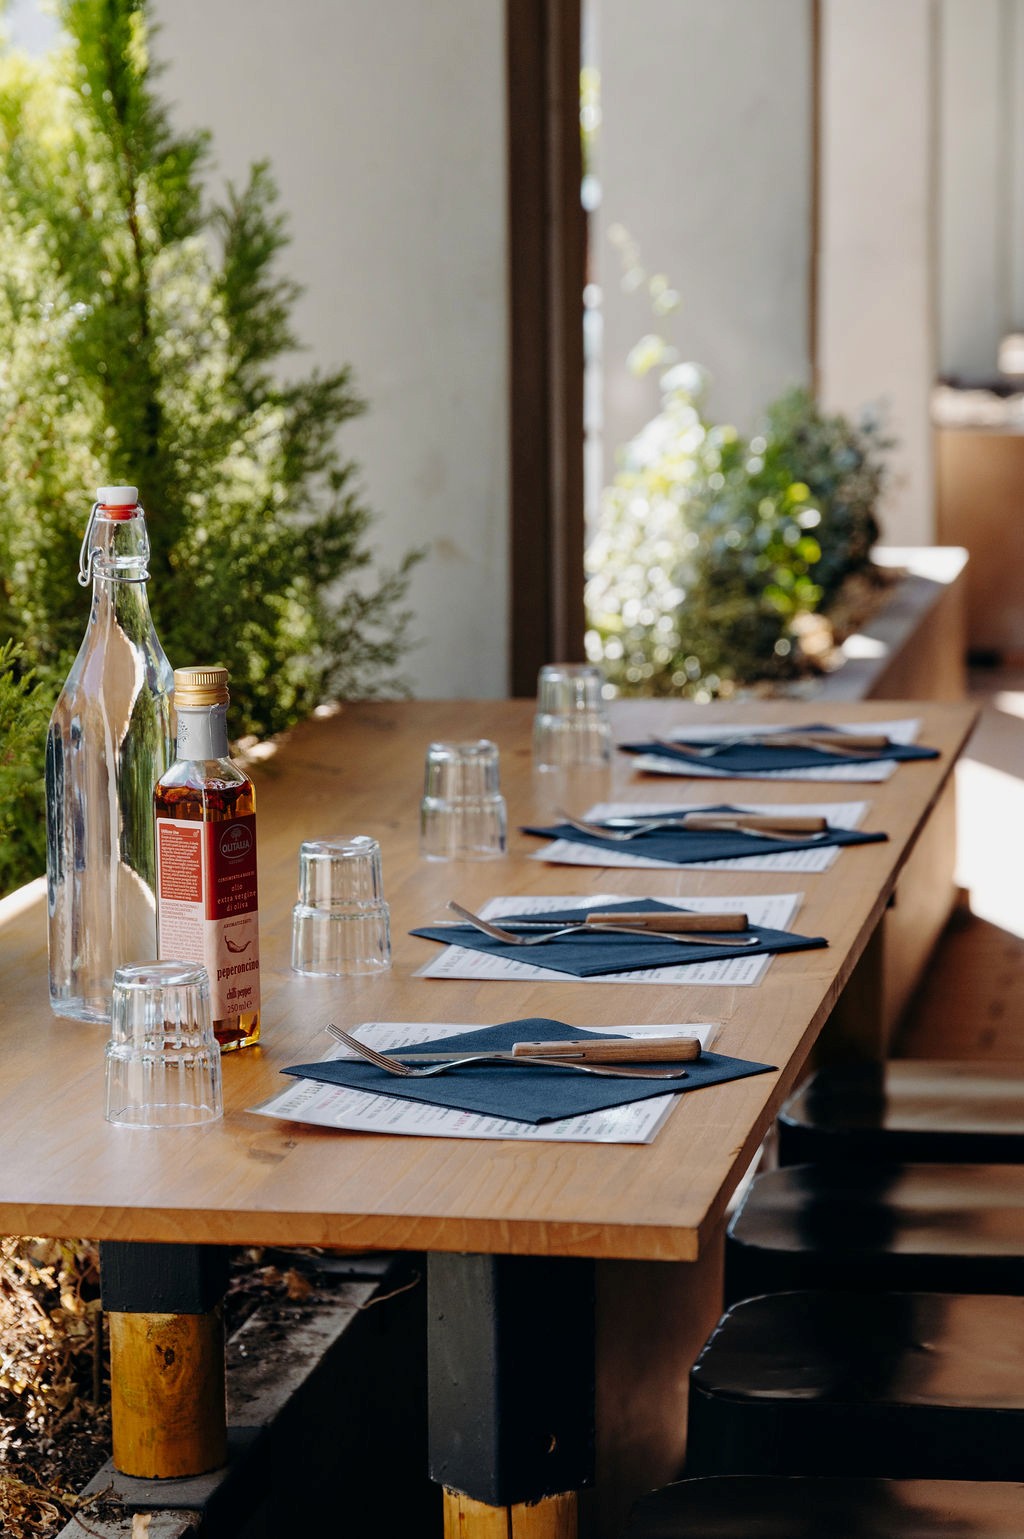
167 1393
554 1517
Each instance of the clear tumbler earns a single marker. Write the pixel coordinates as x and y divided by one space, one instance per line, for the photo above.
571 727
341 925
463 814
163 1060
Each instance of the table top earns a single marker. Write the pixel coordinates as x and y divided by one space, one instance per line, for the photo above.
251 1180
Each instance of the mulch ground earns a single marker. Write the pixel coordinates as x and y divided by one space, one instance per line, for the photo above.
54 1371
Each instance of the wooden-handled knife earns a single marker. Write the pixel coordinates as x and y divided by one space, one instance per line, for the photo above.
616 1050
653 919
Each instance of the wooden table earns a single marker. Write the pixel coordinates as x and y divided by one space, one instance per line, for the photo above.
63 1171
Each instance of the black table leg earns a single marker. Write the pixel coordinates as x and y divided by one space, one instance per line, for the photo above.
511 1385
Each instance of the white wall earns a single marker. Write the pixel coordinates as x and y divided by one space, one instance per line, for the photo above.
974 296
1014 226
705 153
982 181
384 126
877 294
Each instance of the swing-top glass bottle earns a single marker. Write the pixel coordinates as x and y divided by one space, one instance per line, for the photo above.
111 737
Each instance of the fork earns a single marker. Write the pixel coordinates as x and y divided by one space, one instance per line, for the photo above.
510 938
650 825
404 1071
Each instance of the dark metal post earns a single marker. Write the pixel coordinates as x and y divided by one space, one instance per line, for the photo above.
511 1375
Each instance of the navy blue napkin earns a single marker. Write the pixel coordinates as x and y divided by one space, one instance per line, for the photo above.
738 759
590 955
524 1095
680 845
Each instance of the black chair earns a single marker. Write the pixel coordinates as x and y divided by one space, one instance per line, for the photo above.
752 1507
899 1385
906 1110
944 1228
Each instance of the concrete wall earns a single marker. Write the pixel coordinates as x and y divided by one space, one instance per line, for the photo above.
705 158
384 125
877 294
981 156
385 128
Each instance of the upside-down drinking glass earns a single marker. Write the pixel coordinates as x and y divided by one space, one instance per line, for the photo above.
571 727
463 814
341 925
163 1060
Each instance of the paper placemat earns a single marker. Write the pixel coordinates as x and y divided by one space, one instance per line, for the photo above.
538 1093
903 731
332 1106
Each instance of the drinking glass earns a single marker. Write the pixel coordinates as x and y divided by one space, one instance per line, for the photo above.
341 925
463 814
162 1060
571 727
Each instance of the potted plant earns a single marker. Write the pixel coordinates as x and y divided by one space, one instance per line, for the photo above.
717 559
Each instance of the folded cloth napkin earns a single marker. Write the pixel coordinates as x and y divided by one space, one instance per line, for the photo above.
589 955
524 1095
741 759
682 845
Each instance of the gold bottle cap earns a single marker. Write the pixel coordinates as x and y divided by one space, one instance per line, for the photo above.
200 686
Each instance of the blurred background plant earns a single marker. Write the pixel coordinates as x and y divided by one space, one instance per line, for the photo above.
140 329
712 553
24 711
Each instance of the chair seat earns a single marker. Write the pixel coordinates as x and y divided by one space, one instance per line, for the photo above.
906 1110
755 1507
899 1385
947 1228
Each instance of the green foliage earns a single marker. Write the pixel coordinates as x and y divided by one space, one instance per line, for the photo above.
24 711
712 550
139 334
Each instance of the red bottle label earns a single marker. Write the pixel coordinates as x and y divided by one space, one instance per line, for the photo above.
206 874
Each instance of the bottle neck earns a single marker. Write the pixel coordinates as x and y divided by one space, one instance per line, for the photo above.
203 732
115 548
115 554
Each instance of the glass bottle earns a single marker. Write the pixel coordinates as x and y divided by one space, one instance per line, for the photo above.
110 738
206 858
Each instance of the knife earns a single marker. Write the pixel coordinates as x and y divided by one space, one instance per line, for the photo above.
782 823
658 919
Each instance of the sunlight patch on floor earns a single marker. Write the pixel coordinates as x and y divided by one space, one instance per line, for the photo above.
1010 701
990 842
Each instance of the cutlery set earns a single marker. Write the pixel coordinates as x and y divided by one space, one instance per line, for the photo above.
687 929
615 1058
621 830
842 744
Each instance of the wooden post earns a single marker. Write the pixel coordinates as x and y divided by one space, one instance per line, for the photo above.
166 1357
167 1393
555 1517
